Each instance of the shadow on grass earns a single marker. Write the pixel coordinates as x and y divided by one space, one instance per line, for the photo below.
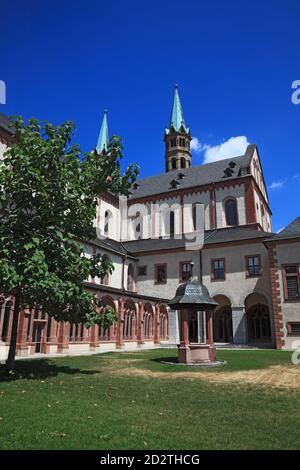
159 360
39 369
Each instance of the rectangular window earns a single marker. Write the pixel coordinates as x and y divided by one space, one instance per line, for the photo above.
142 271
293 328
160 274
253 266
218 269
291 281
185 270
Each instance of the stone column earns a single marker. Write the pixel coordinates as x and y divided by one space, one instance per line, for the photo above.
209 328
119 336
140 338
183 349
63 339
22 345
156 324
94 340
239 325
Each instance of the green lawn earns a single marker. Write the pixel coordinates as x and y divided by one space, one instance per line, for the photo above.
94 402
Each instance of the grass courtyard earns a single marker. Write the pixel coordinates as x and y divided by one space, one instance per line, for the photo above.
132 401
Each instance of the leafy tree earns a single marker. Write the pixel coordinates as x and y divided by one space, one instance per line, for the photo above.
48 199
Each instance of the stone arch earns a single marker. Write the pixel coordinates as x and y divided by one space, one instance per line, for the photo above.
258 318
148 321
129 321
163 322
173 164
109 333
222 320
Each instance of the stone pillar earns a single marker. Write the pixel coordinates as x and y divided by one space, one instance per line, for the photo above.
239 325
94 340
183 349
209 328
156 324
140 337
119 339
63 339
22 345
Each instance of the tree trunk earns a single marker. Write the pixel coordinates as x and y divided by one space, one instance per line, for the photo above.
10 362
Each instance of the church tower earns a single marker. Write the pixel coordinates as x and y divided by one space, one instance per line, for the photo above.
103 140
177 139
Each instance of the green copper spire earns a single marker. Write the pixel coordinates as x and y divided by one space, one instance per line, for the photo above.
103 136
177 119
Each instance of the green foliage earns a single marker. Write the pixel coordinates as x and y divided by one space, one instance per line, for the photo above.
107 317
48 201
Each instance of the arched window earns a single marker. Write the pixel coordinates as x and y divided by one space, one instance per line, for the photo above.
182 163
130 278
259 328
173 163
105 279
129 323
163 323
231 212
172 223
107 222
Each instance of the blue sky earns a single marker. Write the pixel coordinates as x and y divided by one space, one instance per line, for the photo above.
234 61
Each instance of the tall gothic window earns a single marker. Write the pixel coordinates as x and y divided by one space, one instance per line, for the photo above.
173 163
105 279
107 222
182 162
130 278
231 212
172 223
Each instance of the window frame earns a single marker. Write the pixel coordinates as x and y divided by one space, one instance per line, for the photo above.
156 270
289 328
252 276
181 263
284 281
144 266
212 273
228 199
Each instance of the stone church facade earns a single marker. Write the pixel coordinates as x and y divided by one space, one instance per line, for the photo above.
251 272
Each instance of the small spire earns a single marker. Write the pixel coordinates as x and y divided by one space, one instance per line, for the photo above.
177 119
103 139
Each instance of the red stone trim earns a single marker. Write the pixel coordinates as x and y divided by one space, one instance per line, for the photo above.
276 299
250 202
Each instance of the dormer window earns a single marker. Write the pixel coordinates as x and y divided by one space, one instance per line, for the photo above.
231 212
174 184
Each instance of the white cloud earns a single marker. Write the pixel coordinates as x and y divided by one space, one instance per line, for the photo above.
277 184
233 147
197 146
